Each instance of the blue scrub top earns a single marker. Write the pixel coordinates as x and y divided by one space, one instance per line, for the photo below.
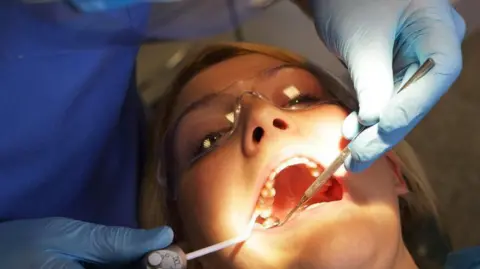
468 258
71 121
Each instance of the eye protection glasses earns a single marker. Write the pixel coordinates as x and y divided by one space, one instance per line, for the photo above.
209 123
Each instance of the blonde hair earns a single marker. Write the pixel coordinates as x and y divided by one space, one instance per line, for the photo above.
153 202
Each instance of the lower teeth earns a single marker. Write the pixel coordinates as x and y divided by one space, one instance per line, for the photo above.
313 206
266 213
270 222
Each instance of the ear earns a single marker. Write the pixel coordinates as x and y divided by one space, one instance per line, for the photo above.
400 184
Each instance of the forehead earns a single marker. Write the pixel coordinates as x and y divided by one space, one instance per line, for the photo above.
221 75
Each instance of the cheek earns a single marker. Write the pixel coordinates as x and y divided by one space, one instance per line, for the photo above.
374 184
200 190
326 124
212 193
326 127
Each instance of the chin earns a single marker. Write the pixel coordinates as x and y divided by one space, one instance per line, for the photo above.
334 235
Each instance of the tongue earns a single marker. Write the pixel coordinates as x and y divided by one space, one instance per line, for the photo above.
290 184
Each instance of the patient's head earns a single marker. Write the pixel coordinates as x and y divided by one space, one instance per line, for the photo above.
246 130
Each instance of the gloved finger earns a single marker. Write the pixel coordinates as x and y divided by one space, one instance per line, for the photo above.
114 244
364 149
412 68
61 263
442 44
369 146
355 166
351 126
460 26
104 244
370 64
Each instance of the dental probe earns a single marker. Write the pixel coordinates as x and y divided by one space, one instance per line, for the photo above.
173 257
332 168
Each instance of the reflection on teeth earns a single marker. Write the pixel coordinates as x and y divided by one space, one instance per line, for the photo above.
268 193
269 184
266 213
311 164
293 161
271 193
270 222
265 193
260 208
265 202
261 201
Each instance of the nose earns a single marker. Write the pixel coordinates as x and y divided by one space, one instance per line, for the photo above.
261 122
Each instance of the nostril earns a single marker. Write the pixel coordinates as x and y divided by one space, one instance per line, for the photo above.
280 124
258 134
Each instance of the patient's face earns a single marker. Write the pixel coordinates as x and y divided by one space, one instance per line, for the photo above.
264 167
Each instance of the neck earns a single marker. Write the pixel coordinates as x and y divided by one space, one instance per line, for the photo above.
404 260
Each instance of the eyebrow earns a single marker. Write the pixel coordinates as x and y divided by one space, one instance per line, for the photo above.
205 99
201 102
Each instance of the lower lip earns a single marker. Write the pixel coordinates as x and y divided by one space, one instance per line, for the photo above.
304 215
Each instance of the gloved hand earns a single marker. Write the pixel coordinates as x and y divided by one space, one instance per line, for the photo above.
383 42
53 243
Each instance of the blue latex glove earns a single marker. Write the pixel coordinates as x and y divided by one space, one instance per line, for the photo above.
53 243
383 42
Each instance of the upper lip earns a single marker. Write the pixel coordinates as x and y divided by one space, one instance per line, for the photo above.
285 154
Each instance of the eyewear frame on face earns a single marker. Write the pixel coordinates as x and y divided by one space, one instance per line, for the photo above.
334 87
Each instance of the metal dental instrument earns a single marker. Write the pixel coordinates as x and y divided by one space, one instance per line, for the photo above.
173 257
325 176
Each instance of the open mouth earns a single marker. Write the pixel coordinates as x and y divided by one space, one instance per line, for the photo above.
285 186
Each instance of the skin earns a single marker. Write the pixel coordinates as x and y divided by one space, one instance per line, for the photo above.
217 193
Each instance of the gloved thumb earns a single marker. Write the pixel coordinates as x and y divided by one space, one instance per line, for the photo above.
370 64
104 244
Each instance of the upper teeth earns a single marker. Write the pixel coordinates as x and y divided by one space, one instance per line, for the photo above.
294 161
268 192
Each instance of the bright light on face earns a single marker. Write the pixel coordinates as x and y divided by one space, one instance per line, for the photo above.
256 245
292 92
331 132
230 117
347 224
